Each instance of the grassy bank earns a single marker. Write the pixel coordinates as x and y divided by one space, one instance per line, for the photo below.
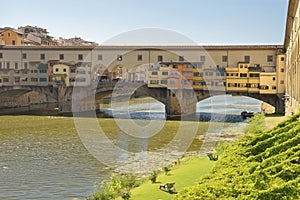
259 166
185 174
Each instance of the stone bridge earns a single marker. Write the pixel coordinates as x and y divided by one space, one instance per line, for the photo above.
177 101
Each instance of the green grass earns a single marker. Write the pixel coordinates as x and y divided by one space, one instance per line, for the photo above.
187 173
259 166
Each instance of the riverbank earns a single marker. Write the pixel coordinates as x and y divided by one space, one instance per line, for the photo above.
187 173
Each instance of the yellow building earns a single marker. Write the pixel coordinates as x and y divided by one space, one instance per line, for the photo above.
61 74
10 36
237 78
254 78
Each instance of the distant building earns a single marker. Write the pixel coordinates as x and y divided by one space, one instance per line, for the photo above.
35 35
76 41
10 36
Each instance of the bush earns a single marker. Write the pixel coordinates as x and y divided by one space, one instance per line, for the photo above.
153 177
167 170
256 124
118 185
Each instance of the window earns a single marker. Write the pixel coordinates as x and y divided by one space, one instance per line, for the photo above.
61 56
43 71
153 81
80 79
24 55
264 87
222 73
181 58
282 58
199 65
274 87
187 74
282 69
185 82
232 85
269 58
8 65
43 79
42 56
25 65
274 78
81 72
5 80
160 58
1 55
0 65
154 73
80 57
187 66
34 79
254 75
164 82
165 73
196 74
17 79
243 75
209 73
139 57
175 66
64 70
100 57
202 58
119 58
247 59
16 65
282 82
224 58
8 34
56 70
13 42
172 81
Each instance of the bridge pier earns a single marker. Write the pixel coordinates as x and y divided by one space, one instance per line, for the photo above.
280 105
64 98
180 102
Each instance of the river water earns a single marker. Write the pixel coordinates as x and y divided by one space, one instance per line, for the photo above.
48 157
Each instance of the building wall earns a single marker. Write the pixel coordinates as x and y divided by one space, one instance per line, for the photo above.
127 58
292 46
11 37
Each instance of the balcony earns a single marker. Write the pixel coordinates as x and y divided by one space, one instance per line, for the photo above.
255 69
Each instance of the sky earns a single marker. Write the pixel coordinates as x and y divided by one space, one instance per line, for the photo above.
202 21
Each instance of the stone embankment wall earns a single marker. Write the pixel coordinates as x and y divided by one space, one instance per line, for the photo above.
12 99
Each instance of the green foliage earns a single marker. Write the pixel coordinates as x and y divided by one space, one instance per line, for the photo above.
256 124
264 165
119 185
153 176
167 170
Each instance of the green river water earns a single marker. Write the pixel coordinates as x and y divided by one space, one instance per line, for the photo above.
48 157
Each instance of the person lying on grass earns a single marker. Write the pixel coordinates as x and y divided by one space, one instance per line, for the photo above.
168 187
